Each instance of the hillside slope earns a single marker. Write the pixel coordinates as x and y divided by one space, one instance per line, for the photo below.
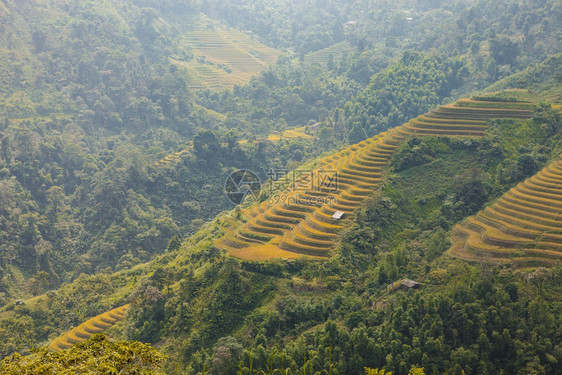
299 220
88 88
546 74
197 302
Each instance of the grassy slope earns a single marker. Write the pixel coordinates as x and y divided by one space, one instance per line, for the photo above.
436 176
544 78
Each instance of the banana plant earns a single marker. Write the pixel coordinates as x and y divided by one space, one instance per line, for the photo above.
330 366
376 371
270 369
242 370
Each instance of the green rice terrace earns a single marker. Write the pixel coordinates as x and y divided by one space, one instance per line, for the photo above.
302 223
224 57
324 56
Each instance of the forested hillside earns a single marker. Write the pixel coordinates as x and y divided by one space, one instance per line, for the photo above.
90 100
120 121
498 37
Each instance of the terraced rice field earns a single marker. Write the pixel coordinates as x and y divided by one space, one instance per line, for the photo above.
85 330
170 160
290 134
4 8
224 57
300 221
524 227
322 56
31 119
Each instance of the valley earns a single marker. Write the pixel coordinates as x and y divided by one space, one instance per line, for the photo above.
408 158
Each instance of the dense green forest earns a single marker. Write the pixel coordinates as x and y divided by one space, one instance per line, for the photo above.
512 33
113 162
